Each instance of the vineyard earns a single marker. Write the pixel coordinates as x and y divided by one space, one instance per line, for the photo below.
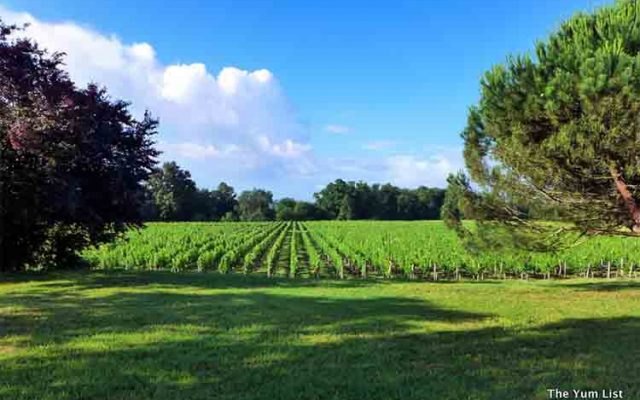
352 249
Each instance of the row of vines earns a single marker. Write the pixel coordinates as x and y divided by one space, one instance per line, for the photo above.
418 250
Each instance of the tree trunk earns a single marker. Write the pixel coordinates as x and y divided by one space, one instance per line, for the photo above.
627 196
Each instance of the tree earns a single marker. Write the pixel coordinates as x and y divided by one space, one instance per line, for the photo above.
174 192
225 200
256 205
305 211
203 206
285 209
364 201
430 201
559 131
377 201
72 161
171 195
456 189
346 211
330 198
408 206
387 202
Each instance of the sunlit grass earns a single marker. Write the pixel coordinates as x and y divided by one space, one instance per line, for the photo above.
154 335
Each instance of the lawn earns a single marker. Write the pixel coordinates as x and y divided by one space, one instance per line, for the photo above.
157 335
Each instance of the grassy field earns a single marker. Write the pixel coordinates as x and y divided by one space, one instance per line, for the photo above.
157 335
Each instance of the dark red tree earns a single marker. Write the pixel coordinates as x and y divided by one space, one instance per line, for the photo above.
72 161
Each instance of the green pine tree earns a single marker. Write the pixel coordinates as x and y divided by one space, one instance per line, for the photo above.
558 130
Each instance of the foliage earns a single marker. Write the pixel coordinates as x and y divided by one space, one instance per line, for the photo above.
451 212
71 160
288 209
173 196
293 251
256 205
559 131
173 191
342 249
346 210
285 209
359 200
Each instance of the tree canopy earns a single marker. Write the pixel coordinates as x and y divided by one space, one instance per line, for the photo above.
558 130
256 205
72 160
171 195
174 193
359 200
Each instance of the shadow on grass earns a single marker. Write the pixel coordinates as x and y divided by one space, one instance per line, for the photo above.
165 344
210 280
605 286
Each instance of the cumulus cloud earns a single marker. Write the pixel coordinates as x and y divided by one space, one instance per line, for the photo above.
233 124
197 151
340 129
412 171
203 116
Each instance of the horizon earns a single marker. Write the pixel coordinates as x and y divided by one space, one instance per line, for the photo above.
288 97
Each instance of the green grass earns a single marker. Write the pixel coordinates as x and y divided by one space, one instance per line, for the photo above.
157 335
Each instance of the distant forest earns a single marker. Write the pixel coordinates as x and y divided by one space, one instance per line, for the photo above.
171 195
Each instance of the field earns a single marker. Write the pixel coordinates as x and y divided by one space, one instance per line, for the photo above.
352 249
238 311
162 335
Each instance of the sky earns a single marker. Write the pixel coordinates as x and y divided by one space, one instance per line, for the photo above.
291 95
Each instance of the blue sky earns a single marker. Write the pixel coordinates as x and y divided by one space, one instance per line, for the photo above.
366 90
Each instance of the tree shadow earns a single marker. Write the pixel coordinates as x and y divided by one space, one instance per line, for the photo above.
59 318
604 286
211 280
164 344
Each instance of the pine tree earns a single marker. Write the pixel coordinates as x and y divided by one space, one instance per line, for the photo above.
559 131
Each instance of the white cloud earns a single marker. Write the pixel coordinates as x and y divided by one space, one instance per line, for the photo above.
180 83
340 129
234 113
234 125
412 171
378 145
287 149
197 151
405 169
402 169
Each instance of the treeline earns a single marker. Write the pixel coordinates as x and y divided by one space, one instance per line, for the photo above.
171 195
